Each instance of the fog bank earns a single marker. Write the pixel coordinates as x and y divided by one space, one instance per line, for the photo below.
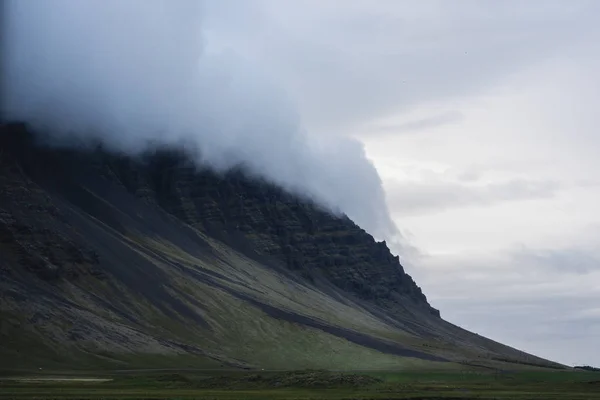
139 71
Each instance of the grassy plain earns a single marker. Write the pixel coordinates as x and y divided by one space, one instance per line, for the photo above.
225 385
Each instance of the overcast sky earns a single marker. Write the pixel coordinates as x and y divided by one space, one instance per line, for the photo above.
481 119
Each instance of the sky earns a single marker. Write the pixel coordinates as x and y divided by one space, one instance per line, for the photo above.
465 133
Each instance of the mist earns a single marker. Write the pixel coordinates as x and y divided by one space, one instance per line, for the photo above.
136 72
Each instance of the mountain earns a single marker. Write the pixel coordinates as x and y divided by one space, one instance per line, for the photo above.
114 261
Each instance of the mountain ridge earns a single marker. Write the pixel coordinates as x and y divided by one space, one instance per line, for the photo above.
143 257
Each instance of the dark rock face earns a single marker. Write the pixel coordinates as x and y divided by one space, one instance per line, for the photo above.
308 239
245 212
32 228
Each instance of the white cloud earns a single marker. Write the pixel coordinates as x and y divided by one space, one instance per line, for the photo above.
136 71
414 198
345 62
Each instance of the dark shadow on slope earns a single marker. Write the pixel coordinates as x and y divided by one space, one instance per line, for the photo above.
361 339
352 336
131 269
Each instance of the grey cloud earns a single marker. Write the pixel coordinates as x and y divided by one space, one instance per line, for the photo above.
552 312
413 198
348 61
569 260
469 175
139 71
450 117
542 326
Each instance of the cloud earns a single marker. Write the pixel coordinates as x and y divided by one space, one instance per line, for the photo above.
536 299
544 325
568 260
346 62
139 71
422 197
416 125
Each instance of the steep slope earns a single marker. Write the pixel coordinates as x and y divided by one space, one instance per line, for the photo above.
113 261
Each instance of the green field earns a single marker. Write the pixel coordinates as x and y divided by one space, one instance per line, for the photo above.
568 385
